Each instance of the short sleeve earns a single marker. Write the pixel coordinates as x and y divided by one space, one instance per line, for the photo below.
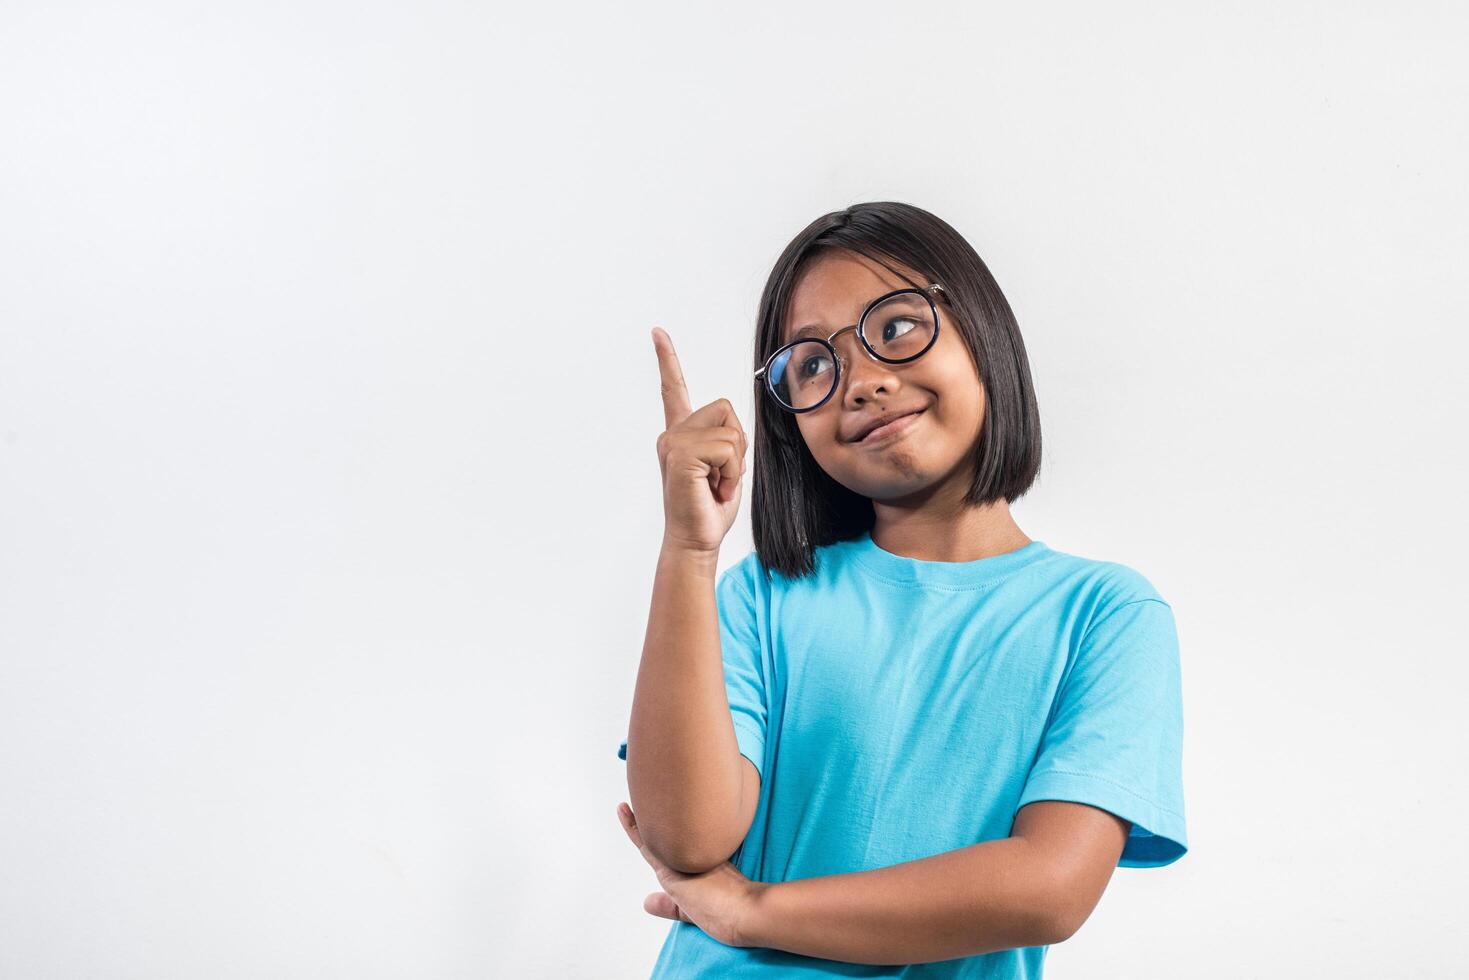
1115 739
740 648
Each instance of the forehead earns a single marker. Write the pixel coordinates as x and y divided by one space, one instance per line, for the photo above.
834 289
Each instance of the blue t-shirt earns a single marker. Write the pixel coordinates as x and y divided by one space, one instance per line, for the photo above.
898 708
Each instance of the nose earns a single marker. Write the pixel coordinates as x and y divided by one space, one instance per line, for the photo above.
863 375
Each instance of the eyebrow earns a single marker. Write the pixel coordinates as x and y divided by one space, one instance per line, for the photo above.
810 330
817 330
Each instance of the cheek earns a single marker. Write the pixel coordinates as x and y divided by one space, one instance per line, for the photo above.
959 411
961 386
819 433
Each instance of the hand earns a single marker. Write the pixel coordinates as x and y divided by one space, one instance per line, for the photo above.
720 901
702 457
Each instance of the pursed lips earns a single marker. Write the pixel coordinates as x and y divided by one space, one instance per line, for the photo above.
895 419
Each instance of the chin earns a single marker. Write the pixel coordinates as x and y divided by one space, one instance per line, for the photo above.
902 477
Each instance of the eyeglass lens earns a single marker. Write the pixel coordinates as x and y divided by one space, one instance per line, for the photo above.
896 329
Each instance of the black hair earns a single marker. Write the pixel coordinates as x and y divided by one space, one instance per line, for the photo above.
796 507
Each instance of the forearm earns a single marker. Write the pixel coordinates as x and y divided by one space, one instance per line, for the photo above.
989 896
683 761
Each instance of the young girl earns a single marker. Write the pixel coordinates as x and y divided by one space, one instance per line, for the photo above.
900 738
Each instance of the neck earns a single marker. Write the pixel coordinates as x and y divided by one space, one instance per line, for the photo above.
947 534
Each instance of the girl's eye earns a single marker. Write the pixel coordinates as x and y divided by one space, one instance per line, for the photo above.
896 327
813 366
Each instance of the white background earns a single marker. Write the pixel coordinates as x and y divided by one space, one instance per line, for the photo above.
321 604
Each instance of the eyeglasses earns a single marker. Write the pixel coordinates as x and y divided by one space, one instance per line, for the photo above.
804 373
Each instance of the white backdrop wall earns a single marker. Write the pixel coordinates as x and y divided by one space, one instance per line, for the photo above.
321 602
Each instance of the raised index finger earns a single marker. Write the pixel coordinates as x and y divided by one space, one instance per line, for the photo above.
676 405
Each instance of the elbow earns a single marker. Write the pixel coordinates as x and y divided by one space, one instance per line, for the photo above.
1057 928
686 857
1061 919
1057 908
691 860
701 857
698 864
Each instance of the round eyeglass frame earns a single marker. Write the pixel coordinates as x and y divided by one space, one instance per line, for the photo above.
926 292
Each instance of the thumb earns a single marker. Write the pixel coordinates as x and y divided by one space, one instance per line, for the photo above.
662 905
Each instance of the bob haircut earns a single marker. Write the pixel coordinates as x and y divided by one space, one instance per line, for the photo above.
796 507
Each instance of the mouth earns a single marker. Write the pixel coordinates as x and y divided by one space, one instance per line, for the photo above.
891 429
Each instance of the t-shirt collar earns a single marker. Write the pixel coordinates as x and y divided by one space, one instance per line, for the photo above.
979 573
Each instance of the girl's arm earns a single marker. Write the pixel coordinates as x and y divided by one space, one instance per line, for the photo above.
1034 888
694 793
685 773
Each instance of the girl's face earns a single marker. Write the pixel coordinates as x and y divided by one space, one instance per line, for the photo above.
936 449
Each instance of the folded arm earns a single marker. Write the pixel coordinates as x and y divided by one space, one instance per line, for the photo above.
1034 888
